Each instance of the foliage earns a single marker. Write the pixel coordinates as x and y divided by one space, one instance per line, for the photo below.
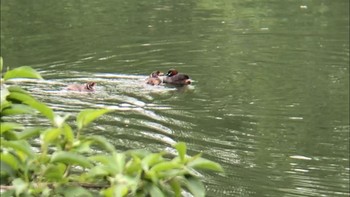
66 163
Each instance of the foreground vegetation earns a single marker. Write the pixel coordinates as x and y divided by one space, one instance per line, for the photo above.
65 163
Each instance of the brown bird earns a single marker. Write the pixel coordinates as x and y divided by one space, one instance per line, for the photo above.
175 78
88 87
154 78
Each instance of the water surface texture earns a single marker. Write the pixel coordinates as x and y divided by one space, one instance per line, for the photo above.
270 94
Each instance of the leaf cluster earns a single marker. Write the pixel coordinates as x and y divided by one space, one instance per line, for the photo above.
65 162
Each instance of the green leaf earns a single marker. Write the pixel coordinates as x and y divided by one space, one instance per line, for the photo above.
195 186
150 160
20 96
3 93
17 109
3 105
75 191
109 192
7 169
8 193
7 126
155 191
71 158
18 145
115 191
107 163
43 109
133 166
171 173
167 165
29 100
59 120
14 88
51 135
89 115
9 159
140 153
68 133
10 135
119 158
104 159
20 186
102 142
201 163
28 133
22 72
181 149
82 146
4 100
55 172
120 190
98 171
176 186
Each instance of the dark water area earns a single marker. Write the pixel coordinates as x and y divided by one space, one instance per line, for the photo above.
270 94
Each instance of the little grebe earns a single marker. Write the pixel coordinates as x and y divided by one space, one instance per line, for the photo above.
154 78
176 78
88 87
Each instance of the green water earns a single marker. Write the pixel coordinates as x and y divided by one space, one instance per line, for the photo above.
270 93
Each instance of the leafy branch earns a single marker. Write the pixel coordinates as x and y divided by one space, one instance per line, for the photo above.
65 161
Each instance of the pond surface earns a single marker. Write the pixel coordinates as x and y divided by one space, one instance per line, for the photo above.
270 94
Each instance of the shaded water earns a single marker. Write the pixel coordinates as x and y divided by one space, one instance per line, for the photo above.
270 97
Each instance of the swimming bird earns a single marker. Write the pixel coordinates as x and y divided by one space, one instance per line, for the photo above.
175 78
154 78
88 87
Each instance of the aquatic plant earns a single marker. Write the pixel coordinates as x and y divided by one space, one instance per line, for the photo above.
64 161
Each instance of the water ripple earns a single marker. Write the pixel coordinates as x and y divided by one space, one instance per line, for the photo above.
134 104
